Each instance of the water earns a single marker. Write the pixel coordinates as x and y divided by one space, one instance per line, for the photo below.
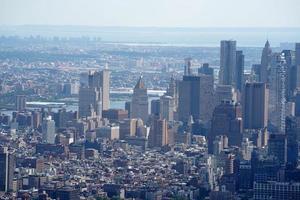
115 104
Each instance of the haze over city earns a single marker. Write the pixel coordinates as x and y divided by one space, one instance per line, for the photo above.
154 100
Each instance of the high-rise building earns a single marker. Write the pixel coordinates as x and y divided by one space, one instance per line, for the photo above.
205 69
276 190
158 135
265 63
228 63
101 80
20 102
128 107
90 103
225 93
172 91
298 64
36 119
155 107
187 66
139 103
277 100
297 104
196 98
48 130
226 120
128 128
255 106
292 133
239 75
167 107
291 73
277 146
7 166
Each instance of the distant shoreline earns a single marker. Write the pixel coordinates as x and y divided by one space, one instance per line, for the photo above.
163 36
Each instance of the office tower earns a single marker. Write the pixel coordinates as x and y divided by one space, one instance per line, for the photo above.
158 135
220 143
291 73
62 117
292 133
90 103
101 80
155 107
48 130
84 79
128 107
105 79
20 102
277 146
226 120
276 190
36 119
297 104
247 148
297 63
205 69
196 98
255 104
187 66
225 93
167 108
128 128
229 164
277 101
265 63
115 115
228 63
139 103
110 132
239 75
7 166
172 91
256 72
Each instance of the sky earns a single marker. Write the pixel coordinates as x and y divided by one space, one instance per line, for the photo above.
153 13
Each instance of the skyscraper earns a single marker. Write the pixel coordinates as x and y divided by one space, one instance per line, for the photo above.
139 103
291 74
158 135
195 98
187 66
265 63
20 102
239 75
155 107
205 69
277 146
172 91
101 80
255 104
228 63
298 64
7 166
277 102
225 93
226 120
48 130
90 103
167 107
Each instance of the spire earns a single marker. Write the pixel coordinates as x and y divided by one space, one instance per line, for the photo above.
267 45
106 66
140 84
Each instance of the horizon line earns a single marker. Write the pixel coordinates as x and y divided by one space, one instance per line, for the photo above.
167 27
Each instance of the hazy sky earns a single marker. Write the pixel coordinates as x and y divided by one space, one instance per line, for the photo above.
166 13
